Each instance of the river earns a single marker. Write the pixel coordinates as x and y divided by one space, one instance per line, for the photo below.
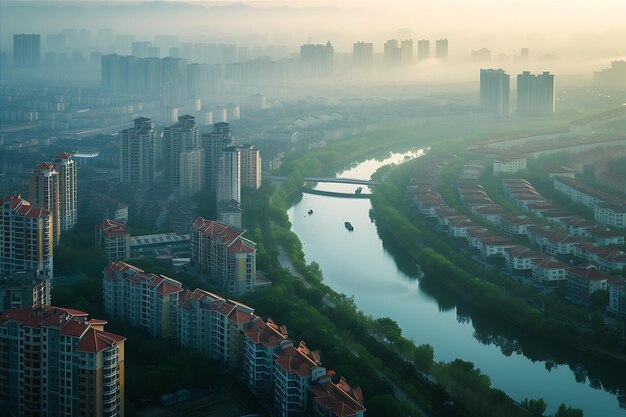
358 264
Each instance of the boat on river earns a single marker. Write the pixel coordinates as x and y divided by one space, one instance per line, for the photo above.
358 190
310 211
349 226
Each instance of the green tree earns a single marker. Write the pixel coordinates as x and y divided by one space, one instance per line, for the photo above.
565 411
535 407
423 357
599 299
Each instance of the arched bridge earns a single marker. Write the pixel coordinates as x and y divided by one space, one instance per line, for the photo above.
327 179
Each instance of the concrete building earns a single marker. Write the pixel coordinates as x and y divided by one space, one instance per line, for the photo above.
423 49
27 50
336 400
617 297
317 60
221 252
406 52
229 212
213 143
295 370
582 282
137 153
250 158
441 48
25 237
179 138
143 300
58 362
43 191
363 56
191 172
509 165
392 54
23 289
229 175
113 238
262 340
68 191
610 214
535 94
494 91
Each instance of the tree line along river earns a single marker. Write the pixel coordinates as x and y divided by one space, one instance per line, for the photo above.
384 284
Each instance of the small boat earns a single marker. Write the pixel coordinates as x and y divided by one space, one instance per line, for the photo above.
349 226
358 190
310 211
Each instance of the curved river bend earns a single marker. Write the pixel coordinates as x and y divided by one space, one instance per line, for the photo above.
357 264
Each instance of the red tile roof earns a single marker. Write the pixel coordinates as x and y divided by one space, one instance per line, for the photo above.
269 334
44 166
23 207
340 399
299 360
95 341
64 155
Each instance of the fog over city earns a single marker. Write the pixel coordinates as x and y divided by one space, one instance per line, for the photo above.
304 208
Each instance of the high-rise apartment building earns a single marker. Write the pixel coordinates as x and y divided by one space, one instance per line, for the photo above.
137 153
317 60
229 212
43 191
183 158
27 50
250 157
406 52
494 91
23 289
295 370
25 237
229 175
221 252
68 196
423 49
213 143
392 54
58 362
336 400
262 340
363 56
143 300
535 94
441 48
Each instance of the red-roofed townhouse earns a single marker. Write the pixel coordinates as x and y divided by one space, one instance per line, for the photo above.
336 400
582 282
143 300
25 237
460 226
549 273
221 252
114 239
261 341
617 297
610 214
56 362
494 245
520 258
295 370
446 214
515 225
491 213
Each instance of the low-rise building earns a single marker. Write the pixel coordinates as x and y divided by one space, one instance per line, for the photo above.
515 225
617 297
23 289
549 273
114 239
610 214
509 165
520 258
582 282
151 245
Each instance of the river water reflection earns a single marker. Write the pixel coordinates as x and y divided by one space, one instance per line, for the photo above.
357 264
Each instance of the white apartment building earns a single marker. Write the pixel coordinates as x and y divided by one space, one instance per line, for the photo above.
610 214
68 196
137 153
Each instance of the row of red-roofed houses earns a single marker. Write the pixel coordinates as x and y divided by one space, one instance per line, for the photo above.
230 332
545 271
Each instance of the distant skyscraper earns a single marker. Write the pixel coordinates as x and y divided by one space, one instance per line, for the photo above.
406 52
441 48
535 93
181 137
423 49
56 43
363 55
27 50
317 60
213 143
524 54
141 49
68 194
229 176
494 91
43 191
191 172
481 55
137 153
392 53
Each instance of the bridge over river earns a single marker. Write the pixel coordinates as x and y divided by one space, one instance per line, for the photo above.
327 180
